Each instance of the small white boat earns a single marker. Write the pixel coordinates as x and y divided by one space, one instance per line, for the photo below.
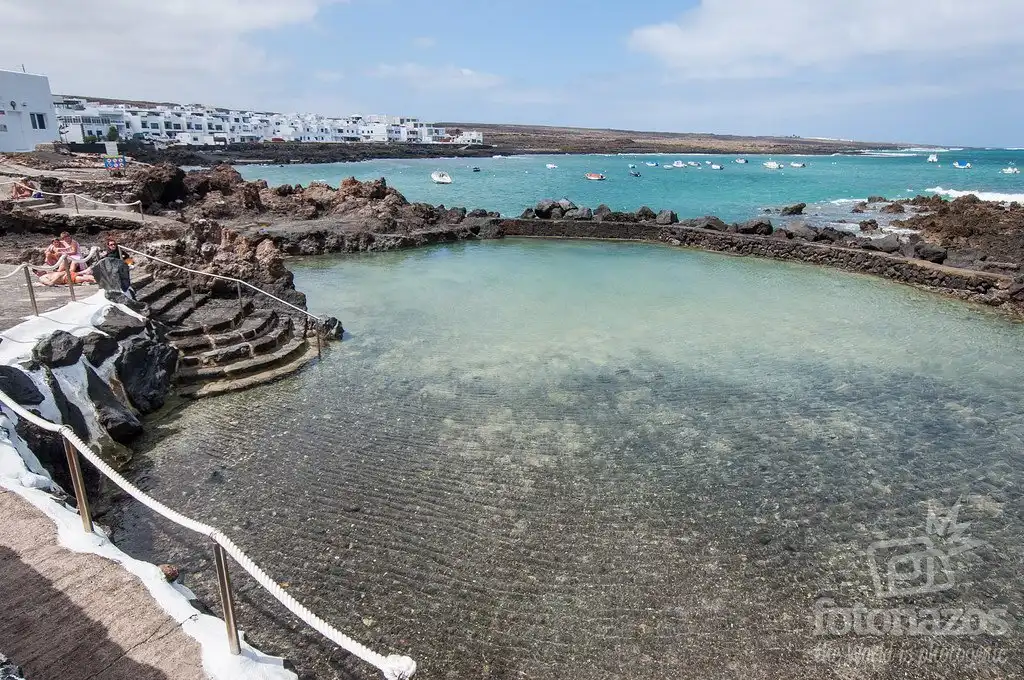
1011 170
596 176
440 177
651 165
772 165
716 166
741 161
693 164
551 166
934 158
798 165
961 166
679 164
667 166
634 173
632 165
707 162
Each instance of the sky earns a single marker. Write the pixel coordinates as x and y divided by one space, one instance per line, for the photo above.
925 71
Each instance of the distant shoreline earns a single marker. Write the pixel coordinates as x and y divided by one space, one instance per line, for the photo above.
504 142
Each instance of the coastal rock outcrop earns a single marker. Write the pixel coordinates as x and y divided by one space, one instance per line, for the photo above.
666 217
17 384
117 419
758 225
58 349
145 369
98 347
158 185
797 209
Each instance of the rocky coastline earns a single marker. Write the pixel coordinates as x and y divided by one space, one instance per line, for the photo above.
215 221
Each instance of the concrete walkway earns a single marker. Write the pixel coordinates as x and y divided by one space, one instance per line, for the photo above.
77 616
14 300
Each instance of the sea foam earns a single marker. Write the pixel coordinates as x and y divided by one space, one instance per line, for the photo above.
983 195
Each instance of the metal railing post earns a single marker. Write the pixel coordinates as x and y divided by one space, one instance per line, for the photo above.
75 196
79 483
191 290
31 291
226 600
142 214
71 280
241 307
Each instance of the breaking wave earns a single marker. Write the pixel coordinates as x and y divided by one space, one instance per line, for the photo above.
983 195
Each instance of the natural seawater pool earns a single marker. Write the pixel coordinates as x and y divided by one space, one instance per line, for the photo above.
571 459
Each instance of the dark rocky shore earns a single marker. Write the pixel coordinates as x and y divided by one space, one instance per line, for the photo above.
220 223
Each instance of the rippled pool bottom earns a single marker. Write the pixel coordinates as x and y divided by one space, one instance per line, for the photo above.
548 460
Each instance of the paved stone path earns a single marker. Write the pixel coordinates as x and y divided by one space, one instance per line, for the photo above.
14 300
78 616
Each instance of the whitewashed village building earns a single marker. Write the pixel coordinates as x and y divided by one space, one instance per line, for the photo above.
27 116
202 125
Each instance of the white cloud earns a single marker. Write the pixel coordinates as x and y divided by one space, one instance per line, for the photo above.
421 77
764 38
195 50
424 42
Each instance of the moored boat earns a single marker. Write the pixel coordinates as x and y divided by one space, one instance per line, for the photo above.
651 165
716 166
634 173
772 165
596 176
934 158
693 164
632 165
1010 170
741 161
551 166
798 165
476 169
961 166
440 177
678 164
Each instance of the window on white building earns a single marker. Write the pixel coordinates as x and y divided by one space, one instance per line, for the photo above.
38 121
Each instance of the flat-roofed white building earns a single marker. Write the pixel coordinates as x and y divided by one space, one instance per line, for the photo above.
27 116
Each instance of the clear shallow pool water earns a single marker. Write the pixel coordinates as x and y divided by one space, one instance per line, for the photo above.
829 184
534 459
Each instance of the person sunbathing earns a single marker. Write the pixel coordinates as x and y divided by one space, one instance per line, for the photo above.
23 189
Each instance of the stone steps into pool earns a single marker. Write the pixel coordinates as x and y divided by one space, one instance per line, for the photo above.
224 344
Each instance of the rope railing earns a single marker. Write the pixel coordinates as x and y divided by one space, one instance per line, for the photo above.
76 197
237 282
393 667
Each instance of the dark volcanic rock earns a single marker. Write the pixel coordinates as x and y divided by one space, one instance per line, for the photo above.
894 209
556 213
860 207
59 349
116 418
706 222
601 212
332 328
832 235
869 225
117 297
802 231
759 226
112 274
159 184
121 325
145 368
70 414
666 217
583 214
645 214
528 214
477 212
888 244
544 207
566 205
930 252
99 347
797 209
877 199
18 384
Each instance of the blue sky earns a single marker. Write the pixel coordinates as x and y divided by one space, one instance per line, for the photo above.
943 71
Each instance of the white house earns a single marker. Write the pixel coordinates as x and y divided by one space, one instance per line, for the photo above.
27 117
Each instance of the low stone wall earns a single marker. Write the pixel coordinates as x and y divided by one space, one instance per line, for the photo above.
982 287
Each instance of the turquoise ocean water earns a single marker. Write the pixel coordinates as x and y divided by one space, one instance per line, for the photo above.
736 192
573 459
